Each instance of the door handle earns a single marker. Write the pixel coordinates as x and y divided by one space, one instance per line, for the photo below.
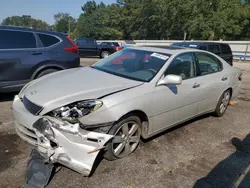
36 53
196 85
224 78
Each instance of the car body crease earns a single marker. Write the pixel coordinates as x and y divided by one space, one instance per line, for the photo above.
119 91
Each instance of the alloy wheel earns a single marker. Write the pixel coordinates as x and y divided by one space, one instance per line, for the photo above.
224 102
126 139
105 54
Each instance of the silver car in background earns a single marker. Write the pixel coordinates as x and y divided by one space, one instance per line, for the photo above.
72 115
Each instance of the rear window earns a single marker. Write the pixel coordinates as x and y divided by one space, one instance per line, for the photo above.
214 48
16 40
203 47
225 49
180 44
116 44
105 43
48 40
85 41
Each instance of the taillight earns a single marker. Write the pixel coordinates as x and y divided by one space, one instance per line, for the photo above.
73 48
118 48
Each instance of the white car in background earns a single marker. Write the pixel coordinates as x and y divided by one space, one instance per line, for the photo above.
137 92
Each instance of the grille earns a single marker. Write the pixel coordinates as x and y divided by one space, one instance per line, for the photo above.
31 107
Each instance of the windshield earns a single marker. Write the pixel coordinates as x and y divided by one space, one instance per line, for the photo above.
133 64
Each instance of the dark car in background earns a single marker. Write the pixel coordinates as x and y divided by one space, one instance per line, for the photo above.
89 47
221 49
110 43
27 54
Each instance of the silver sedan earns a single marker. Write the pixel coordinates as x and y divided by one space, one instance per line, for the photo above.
72 115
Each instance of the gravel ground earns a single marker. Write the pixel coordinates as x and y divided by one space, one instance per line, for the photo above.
176 158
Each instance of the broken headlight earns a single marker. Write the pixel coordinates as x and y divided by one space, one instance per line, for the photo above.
76 110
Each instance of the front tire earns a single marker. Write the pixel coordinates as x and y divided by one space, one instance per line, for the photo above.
127 133
222 104
104 54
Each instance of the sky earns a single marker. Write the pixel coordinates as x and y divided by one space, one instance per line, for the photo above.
42 9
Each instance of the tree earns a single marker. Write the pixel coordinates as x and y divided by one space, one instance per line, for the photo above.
217 19
64 23
165 19
99 21
26 21
89 7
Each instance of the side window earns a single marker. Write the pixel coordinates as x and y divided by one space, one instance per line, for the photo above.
208 64
16 40
83 41
105 43
183 65
225 49
116 44
90 42
48 40
203 47
214 48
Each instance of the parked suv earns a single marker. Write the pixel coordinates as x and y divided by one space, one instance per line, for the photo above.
27 54
89 47
221 49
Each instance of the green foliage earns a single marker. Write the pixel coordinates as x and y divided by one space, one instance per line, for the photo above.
99 21
165 19
64 23
152 19
25 21
215 19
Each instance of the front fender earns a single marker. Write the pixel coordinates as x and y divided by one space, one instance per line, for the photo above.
114 113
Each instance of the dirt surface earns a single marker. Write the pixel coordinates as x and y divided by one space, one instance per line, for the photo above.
176 158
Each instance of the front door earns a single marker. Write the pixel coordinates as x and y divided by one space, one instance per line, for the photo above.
176 103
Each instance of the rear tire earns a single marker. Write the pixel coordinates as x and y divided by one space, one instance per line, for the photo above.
45 72
127 133
222 104
104 54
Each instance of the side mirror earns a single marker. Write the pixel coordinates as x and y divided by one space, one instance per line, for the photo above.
170 79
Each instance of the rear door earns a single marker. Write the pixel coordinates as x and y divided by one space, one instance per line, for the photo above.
18 54
211 80
87 47
226 53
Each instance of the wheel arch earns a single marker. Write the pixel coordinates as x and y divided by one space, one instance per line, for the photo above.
44 67
144 120
231 90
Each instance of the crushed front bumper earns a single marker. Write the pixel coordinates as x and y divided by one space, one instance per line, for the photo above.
60 142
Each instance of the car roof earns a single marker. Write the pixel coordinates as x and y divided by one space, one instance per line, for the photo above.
17 28
166 49
84 38
197 43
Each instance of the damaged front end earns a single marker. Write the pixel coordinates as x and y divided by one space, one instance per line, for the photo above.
68 144
71 144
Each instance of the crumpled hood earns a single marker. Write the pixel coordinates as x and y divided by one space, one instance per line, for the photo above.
64 87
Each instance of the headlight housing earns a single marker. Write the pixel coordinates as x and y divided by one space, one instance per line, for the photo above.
76 110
